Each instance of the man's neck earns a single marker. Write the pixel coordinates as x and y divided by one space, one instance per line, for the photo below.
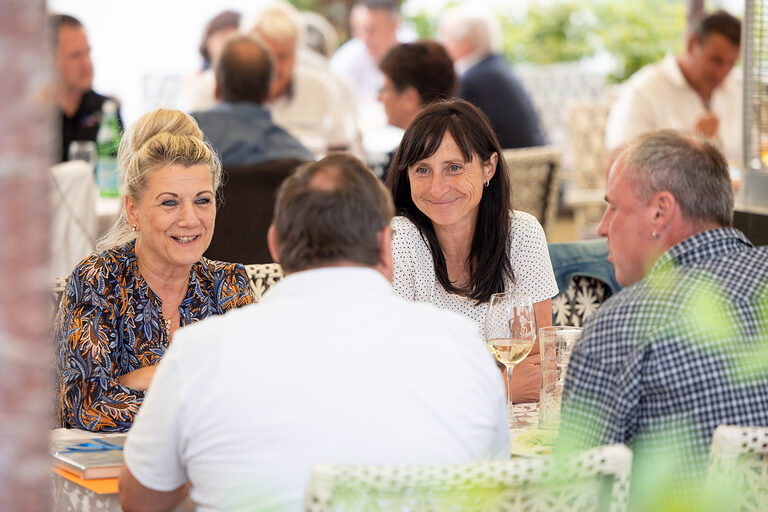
468 60
705 93
69 100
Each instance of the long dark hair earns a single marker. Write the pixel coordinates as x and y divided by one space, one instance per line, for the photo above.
489 255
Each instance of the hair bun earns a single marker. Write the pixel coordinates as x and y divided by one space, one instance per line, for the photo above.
159 121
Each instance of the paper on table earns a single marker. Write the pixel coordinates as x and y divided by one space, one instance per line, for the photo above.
98 485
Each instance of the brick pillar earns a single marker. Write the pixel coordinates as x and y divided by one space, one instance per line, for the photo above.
26 148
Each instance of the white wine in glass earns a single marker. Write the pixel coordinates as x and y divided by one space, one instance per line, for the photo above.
510 331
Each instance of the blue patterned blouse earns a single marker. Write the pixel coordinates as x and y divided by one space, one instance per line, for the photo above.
111 323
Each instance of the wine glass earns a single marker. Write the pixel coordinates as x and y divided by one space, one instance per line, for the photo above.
510 331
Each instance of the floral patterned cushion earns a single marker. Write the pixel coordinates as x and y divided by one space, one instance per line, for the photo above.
582 297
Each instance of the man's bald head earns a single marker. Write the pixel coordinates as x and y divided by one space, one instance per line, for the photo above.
244 70
329 212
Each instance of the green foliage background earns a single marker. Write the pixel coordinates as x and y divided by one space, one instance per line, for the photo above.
633 33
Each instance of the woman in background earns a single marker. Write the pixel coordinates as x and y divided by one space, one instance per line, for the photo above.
148 278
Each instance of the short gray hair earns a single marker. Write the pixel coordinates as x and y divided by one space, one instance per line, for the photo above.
481 27
691 168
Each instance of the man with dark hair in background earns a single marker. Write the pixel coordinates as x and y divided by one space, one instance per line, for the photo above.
691 92
79 105
239 127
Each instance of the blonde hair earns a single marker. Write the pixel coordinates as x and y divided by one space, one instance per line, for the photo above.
157 139
279 21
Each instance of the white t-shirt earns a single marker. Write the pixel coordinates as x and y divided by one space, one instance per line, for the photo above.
317 110
659 97
415 278
329 367
353 63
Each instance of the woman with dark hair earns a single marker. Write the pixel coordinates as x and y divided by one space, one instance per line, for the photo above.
456 240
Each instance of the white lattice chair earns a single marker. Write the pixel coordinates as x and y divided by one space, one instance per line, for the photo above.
596 479
738 468
534 175
261 276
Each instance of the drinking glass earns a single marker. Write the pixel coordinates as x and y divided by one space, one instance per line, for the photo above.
510 331
556 346
82 150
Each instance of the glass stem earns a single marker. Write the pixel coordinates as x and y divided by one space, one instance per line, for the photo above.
512 419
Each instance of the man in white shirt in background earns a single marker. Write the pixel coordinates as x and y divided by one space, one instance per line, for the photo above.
691 92
373 25
329 367
305 98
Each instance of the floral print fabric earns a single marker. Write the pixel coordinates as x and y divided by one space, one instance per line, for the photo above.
111 323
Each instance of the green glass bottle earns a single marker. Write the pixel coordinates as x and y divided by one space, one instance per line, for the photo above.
107 143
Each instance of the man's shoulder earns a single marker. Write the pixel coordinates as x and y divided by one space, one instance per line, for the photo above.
91 102
224 116
315 81
492 65
349 54
625 316
649 78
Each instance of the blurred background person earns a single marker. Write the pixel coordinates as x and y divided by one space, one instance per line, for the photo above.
415 74
239 127
198 93
149 278
456 240
373 26
692 91
79 106
320 38
306 100
473 40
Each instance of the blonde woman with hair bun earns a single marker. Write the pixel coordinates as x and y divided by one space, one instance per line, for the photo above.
148 277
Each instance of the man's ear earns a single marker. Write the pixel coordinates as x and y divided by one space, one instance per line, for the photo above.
384 238
272 243
663 210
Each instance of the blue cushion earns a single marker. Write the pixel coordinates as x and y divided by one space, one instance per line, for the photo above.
586 258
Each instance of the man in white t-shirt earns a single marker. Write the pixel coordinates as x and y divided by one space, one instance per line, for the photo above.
374 25
329 367
691 92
